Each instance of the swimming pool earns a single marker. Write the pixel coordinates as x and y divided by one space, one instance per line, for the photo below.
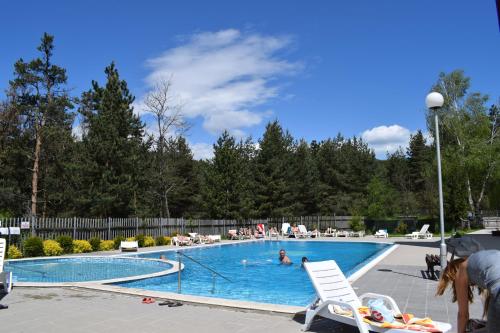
254 271
81 269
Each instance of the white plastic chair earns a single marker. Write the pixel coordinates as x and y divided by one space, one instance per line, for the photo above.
284 229
303 231
423 233
333 289
129 246
5 277
382 233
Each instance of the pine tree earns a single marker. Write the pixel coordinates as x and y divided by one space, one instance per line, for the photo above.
273 172
304 182
419 157
113 149
184 184
39 97
227 189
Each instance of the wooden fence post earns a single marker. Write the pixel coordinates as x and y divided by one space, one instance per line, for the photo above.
109 228
74 227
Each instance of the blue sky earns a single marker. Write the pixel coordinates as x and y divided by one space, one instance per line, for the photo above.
322 67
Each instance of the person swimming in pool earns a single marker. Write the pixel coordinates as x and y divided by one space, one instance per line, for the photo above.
304 260
284 258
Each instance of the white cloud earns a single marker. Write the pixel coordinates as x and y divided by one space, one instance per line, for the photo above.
386 139
223 76
202 151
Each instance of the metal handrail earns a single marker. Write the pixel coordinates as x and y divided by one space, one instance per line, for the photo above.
204 266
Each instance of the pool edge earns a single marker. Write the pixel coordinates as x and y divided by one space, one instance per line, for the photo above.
372 263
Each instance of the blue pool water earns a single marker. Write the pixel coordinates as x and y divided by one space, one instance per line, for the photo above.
254 270
80 269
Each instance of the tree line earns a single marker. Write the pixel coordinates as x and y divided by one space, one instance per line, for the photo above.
115 168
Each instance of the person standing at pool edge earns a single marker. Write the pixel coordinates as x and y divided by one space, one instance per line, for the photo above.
284 258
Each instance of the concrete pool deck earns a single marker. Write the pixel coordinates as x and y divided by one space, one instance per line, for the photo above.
400 275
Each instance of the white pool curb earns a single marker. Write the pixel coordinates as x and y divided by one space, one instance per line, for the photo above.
107 286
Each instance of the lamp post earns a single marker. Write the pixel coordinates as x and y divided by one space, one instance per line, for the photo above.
434 101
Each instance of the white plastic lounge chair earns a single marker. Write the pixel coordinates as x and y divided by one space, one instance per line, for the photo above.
214 238
330 232
129 246
284 229
344 233
303 231
196 238
423 233
5 277
272 232
181 241
233 234
333 289
381 233
360 233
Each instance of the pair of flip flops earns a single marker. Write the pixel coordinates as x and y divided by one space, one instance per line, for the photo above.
148 300
170 304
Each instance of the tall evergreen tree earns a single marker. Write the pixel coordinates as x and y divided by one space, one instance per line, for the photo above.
227 190
39 97
184 184
113 149
273 172
398 174
419 158
304 182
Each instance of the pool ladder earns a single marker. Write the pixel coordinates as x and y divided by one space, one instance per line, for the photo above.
214 273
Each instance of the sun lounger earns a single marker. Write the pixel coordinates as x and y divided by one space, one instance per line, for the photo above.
360 233
303 232
5 277
260 232
382 233
344 233
286 229
214 238
423 233
337 300
181 241
197 238
330 232
232 234
129 246
272 232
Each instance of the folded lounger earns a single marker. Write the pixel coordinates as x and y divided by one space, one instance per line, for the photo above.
333 289
129 246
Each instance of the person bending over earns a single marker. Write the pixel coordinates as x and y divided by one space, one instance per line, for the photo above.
481 269
284 258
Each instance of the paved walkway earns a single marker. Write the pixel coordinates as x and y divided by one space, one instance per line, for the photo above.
399 275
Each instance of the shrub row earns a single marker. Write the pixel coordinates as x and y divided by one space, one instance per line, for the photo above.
36 247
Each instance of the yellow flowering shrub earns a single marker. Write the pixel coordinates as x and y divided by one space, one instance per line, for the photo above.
14 253
168 240
81 246
52 248
130 239
149 241
107 245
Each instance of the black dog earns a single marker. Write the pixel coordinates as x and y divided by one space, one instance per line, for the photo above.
432 260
